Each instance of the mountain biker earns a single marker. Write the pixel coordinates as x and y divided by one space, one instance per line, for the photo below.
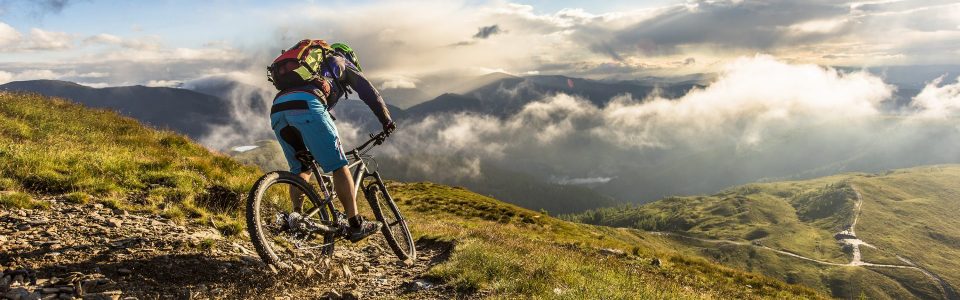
300 117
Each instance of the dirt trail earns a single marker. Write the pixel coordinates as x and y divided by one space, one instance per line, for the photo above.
73 250
945 288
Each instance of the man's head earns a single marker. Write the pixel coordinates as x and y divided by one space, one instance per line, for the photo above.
347 53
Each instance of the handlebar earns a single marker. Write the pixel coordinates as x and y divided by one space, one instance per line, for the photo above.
375 139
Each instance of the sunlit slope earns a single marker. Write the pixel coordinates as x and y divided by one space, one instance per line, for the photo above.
787 230
514 252
51 148
914 213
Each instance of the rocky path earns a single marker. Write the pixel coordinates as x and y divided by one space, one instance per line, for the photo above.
92 252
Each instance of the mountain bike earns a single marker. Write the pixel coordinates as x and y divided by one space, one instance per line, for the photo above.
269 204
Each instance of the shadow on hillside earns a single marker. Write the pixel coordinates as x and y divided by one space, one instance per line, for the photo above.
179 274
203 275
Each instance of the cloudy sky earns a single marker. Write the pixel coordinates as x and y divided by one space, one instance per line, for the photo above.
103 43
788 95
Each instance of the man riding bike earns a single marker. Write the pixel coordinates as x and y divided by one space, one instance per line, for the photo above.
300 117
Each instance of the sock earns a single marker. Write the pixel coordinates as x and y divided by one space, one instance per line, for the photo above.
355 221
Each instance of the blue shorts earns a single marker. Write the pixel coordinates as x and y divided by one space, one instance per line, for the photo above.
317 129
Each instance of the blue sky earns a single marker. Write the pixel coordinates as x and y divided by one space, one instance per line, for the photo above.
192 23
167 42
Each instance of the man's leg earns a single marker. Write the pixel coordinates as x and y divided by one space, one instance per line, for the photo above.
343 183
359 228
297 196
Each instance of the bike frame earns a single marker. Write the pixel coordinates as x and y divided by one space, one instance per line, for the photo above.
359 174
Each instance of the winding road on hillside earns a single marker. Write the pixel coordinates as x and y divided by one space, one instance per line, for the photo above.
850 239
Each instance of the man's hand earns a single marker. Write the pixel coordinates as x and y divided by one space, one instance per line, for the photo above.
389 127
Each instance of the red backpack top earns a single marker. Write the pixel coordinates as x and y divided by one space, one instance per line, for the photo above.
300 65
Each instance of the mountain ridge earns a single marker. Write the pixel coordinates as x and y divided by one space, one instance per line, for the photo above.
185 111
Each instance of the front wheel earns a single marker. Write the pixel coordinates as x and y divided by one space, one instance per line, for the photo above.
268 205
394 228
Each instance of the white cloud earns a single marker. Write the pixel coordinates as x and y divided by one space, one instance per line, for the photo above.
48 40
94 75
103 38
9 36
12 40
741 104
818 26
585 180
163 83
51 74
760 118
398 82
400 38
98 85
938 101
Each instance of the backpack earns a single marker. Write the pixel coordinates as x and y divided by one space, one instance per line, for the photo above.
300 65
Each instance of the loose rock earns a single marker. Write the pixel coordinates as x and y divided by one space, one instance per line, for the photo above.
114 222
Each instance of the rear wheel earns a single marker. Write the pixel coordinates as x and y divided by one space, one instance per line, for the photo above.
394 229
268 206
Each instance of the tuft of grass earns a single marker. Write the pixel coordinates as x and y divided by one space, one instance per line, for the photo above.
175 214
206 244
230 226
21 200
7 184
77 198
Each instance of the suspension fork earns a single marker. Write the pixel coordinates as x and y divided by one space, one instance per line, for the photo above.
357 177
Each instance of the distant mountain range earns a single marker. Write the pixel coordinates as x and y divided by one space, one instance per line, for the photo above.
502 95
180 110
196 109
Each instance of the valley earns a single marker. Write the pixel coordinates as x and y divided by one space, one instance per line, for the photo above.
851 222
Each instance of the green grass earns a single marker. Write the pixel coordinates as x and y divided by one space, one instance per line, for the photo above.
799 217
51 147
514 252
21 200
913 212
908 212
77 198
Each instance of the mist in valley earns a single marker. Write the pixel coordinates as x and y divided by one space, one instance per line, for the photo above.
760 119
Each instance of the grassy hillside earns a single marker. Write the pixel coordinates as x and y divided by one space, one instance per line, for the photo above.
905 213
55 149
513 252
